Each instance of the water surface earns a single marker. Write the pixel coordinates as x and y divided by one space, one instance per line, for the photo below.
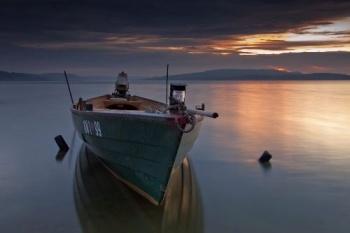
305 126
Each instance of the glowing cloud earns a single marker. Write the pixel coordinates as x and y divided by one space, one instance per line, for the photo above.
322 37
331 37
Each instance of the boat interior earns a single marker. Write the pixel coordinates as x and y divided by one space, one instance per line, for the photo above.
109 102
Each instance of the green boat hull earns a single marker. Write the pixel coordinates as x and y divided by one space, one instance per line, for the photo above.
139 149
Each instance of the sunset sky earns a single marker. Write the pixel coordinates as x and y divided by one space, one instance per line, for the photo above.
104 37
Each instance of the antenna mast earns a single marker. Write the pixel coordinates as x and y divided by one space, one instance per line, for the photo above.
70 92
166 84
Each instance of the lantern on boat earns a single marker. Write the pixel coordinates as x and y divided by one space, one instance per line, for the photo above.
121 85
177 94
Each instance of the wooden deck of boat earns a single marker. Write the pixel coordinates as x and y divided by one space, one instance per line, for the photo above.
109 102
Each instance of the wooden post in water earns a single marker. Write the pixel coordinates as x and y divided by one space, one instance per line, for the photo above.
61 143
265 157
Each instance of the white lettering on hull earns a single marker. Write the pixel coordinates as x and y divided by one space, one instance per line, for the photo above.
92 128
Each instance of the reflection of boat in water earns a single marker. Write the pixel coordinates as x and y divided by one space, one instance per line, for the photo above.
104 204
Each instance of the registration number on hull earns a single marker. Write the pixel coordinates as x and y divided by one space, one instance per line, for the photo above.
92 128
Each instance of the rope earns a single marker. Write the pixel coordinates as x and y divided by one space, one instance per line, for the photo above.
190 120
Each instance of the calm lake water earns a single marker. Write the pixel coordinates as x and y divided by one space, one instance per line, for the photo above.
221 188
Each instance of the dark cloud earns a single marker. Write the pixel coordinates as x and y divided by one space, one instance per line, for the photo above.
36 19
52 34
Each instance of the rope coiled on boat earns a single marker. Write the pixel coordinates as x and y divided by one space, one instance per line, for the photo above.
189 119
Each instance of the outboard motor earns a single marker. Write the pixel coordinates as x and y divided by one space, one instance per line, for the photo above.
187 120
121 85
177 97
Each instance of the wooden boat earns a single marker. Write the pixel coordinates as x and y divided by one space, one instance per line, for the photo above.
138 139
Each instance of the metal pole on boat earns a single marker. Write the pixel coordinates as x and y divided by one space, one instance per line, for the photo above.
166 84
70 92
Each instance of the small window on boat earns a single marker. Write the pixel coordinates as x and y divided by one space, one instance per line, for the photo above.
122 107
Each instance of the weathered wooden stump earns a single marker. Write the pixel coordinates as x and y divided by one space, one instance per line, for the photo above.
61 143
265 157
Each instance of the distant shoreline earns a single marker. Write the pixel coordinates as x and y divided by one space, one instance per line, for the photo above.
211 75
257 75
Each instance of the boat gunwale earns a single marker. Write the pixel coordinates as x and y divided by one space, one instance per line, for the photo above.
126 113
131 113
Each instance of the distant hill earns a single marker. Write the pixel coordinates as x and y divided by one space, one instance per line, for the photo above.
50 77
13 76
222 74
255 74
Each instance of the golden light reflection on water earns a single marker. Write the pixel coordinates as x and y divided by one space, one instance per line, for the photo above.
308 119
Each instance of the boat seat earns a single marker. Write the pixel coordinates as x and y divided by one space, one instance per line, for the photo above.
123 104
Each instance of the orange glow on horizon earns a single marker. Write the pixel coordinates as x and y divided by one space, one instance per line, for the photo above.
280 68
